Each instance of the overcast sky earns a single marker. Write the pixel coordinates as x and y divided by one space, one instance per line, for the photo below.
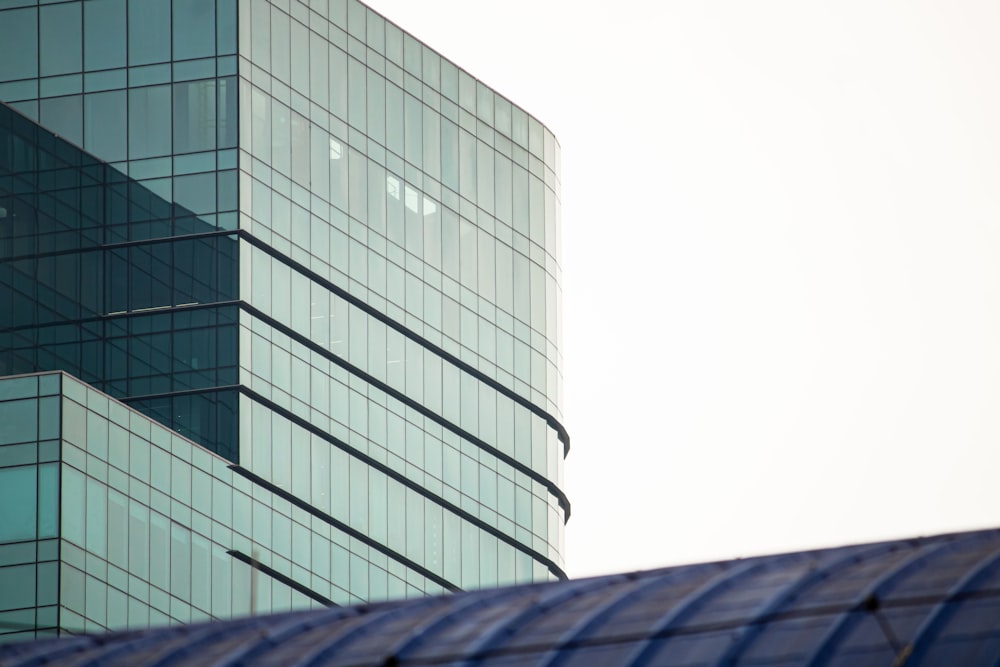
781 234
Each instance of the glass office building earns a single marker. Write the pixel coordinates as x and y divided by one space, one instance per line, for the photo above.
293 234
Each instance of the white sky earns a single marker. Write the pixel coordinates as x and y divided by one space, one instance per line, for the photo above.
781 234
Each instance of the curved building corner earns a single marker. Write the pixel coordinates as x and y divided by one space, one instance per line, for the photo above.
303 240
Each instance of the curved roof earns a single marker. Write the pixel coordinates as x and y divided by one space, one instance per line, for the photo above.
927 601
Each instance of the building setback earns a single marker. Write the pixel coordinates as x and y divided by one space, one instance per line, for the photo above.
300 239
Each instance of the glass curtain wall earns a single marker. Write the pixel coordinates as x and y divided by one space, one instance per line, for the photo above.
311 244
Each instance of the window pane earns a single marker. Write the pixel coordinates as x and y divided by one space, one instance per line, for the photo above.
149 31
138 539
227 119
19 34
194 116
19 421
64 116
97 513
159 550
48 500
226 32
17 503
104 125
194 29
196 193
18 586
149 122
104 34
73 506
61 31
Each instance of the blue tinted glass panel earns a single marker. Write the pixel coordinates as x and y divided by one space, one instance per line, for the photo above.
19 34
61 48
48 500
148 31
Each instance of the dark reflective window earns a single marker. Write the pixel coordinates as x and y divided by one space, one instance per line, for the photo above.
130 353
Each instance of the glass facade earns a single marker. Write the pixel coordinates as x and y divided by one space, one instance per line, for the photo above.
110 520
306 241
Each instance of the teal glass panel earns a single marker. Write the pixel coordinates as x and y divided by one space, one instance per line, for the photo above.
104 124
63 116
117 519
26 387
60 30
180 561
149 31
159 550
47 590
96 600
19 421
149 122
48 500
16 455
194 29
196 193
138 539
17 553
47 617
18 585
225 39
73 506
18 506
74 423
280 46
49 422
19 34
97 517
227 115
49 384
104 34
194 116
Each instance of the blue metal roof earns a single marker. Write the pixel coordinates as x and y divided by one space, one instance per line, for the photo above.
927 601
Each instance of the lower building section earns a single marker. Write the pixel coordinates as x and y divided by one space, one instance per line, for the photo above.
109 520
